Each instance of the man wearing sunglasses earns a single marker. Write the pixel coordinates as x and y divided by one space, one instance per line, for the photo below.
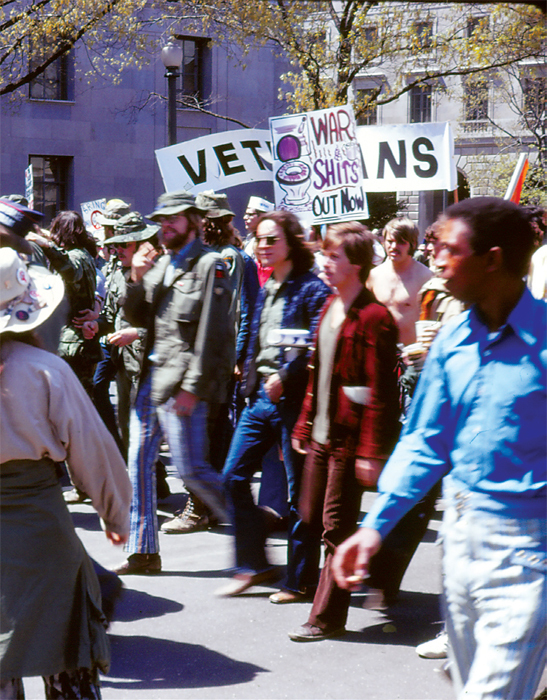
124 342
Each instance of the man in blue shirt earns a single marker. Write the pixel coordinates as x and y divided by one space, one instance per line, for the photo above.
478 418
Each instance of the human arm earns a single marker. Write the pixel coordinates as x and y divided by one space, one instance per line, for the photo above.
68 266
352 557
94 462
249 293
379 425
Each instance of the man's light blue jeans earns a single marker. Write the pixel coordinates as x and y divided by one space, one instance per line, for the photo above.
187 440
495 599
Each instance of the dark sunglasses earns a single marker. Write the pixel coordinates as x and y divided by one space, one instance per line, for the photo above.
270 240
122 245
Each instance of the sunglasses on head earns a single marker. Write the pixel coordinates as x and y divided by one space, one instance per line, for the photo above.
269 240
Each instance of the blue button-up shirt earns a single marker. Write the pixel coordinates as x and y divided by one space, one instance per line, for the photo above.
478 417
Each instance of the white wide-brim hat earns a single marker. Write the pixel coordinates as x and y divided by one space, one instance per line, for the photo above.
28 295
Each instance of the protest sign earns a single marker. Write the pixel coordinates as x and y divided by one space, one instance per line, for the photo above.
408 157
317 171
90 210
29 186
216 162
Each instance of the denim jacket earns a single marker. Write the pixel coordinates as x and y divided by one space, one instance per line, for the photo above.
305 295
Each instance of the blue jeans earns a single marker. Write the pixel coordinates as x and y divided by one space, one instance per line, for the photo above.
261 425
105 372
187 440
495 598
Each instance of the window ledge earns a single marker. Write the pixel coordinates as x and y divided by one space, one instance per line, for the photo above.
54 102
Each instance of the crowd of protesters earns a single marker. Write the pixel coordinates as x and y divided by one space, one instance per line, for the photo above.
330 362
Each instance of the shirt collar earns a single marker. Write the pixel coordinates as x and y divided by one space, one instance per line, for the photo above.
520 320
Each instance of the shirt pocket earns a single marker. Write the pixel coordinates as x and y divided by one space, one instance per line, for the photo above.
187 300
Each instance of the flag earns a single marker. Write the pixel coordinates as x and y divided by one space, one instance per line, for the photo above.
514 189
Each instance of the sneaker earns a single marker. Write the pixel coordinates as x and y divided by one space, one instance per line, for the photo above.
140 564
193 518
311 633
75 496
436 648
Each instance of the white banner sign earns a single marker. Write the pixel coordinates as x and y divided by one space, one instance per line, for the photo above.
317 170
216 162
29 186
90 210
408 157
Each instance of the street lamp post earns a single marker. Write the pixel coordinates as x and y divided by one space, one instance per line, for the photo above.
171 56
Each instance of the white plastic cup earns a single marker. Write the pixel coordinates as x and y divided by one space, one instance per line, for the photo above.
426 331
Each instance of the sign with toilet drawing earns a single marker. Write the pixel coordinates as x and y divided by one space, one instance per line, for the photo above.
317 165
322 165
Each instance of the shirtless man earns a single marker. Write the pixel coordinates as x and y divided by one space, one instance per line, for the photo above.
397 281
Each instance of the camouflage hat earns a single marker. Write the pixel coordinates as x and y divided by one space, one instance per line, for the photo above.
132 227
214 205
17 198
171 203
115 209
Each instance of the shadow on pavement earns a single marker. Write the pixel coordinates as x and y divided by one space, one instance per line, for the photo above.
149 663
85 521
413 619
137 605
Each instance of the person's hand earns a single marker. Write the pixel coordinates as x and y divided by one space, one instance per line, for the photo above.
350 562
237 373
299 446
123 337
115 538
367 471
85 316
141 263
38 238
274 388
90 329
185 402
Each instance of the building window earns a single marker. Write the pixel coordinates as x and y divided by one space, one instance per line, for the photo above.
474 23
368 115
534 90
420 103
475 99
424 33
52 83
191 69
371 34
51 177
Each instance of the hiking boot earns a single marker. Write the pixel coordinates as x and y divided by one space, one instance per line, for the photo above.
194 518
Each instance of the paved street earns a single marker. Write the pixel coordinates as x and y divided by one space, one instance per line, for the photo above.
172 638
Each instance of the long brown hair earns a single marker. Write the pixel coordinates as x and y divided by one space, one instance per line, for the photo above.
68 231
300 254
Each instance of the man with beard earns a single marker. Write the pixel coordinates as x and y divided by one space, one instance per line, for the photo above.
184 301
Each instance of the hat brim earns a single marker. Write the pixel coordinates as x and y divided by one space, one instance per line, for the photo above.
50 289
105 221
137 236
171 211
217 213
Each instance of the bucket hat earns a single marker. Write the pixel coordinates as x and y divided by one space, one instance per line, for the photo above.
214 205
171 203
132 227
114 210
28 295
